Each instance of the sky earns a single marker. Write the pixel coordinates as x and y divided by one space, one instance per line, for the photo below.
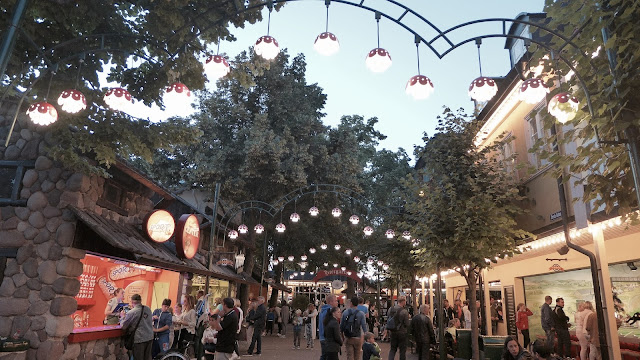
352 89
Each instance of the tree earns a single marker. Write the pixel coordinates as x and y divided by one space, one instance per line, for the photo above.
610 69
462 205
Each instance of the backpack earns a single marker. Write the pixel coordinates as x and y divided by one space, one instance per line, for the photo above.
391 322
352 329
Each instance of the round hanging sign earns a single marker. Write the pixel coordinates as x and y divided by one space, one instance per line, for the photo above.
187 236
159 225
336 284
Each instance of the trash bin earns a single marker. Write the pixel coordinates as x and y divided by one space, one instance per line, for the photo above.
463 338
493 346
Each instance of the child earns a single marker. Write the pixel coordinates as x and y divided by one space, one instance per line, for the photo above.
370 349
297 329
271 317
209 339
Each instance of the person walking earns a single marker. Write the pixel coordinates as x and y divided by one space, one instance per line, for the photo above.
399 332
271 319
422 330
546 320
331 332
258 319
285 312
561 324
308 319
278 318
227 327
353 326
139 320
331 302
591 327
162 321
580 318
522 323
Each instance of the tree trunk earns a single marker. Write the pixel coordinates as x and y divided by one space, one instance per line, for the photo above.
414 299
351 291
470 277
273 299
249 262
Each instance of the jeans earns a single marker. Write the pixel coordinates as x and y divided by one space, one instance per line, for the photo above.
551 339
256 338
564 342
398 340
323 350
309 335
160 344
297 334
527 339
423 350
353 346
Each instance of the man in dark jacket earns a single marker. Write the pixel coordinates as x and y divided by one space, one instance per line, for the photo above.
422 331
139 318
227 328
353 325
561 324
258 319
546 320
399 333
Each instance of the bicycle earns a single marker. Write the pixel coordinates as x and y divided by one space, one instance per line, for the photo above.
181 353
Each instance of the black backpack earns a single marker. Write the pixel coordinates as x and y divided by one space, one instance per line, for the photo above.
351 329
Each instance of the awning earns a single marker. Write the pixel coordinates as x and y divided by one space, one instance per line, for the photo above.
138 248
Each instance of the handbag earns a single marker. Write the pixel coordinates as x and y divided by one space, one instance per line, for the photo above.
130 336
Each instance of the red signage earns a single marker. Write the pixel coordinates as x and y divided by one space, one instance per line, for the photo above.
225 262
187 236
338 272
159 225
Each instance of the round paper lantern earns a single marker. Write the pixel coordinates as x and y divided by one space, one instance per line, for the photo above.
380 262
483 89
356 259
295 217
291 258
348 251
243 229
117 99
258 228
177 96
312 250
275 261
313 211
325 264
303 257
281 258
385 267
532 91
326 44
233 234
216 66
419 87
349 273
378 60
563 107
323 246
72 101
343 268
281 228
354 219
370 261
368 230
406 235
335 265
390 234
336 246
336 212
295 274
267 47
42 113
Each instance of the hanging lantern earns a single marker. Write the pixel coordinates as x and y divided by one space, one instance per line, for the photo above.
326 44
336 246
390 234
177 96
356 259
348 251
563 107
258 229
233 234
275 261
118 99
419 87
313 211
72 101
343 268
483 89
385 267
323 246
312 250
354 219
42 113
415 242
281 258
303 265
295 274
217 66
336 212
281 228
368 231
378 60
370 261
349 273
295 217
303 257
267 47
380 262
243 229
325 264
532 91
291 258
406 235
335 265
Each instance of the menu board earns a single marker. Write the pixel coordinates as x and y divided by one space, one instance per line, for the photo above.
87 282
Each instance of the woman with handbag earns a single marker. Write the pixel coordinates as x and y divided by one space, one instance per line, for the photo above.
188 321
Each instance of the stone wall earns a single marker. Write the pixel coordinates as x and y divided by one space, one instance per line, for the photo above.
38 286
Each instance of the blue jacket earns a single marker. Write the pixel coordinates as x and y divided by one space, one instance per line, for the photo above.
323 312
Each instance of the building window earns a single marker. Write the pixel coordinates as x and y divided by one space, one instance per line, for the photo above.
506 155
535 131
11 174
113 197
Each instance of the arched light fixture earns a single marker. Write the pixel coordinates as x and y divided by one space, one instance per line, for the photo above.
233 234
390 234
42 113
406 235
117 99
354 219
258 229
337 246
385 267
482 88
419 86
356 259
378 60
267 46
291 258
313 211
336 212
380 262
243 229
326 43
312 250
532 91
348 251
563 107
295 217
303 257
177 96
368 231
281 228
323 246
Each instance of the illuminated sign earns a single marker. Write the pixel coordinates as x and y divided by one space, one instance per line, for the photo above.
187 236
159 225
